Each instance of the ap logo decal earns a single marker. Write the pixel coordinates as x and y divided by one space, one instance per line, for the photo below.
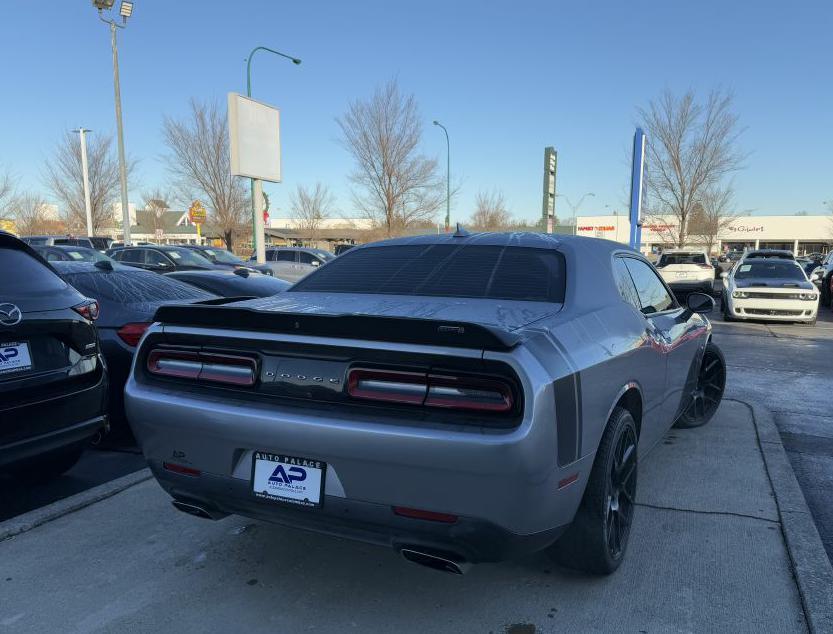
293 474
8 353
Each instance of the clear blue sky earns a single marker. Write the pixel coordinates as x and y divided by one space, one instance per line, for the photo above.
507 79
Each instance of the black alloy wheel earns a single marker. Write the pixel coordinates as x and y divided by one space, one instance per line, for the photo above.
707 393
622 493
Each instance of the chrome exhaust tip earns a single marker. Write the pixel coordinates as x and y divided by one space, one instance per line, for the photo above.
193 509
443 563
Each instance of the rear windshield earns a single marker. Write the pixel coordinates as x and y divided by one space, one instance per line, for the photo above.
770 269
132 286
444 270
24 276
668 259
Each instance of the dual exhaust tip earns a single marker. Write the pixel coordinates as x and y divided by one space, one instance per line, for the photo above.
435 561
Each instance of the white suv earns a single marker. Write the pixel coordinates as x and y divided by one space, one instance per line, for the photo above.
687 270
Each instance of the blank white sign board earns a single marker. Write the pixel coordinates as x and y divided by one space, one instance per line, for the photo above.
254 138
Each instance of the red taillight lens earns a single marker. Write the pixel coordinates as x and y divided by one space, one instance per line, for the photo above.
132 333
706 266
430 390
87 309
203 366
419 514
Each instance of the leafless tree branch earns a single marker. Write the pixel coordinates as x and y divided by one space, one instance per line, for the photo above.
309 207
490 213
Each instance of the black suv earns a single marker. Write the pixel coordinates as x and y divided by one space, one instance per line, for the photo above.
53 380
161 259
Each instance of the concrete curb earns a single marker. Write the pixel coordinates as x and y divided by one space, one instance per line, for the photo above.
811 568
37 517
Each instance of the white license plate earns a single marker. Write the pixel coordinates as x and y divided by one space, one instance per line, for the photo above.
14 357
283 478
682 275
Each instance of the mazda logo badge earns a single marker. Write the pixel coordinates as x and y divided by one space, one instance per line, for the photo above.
10 315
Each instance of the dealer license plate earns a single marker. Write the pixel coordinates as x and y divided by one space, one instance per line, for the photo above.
682 275
14 357
281 478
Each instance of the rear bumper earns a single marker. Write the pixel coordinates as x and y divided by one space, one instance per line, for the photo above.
468 539
702 286
27 448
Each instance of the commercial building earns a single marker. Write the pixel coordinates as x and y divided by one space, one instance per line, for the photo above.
800 234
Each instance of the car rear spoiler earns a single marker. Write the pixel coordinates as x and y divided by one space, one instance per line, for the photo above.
214 314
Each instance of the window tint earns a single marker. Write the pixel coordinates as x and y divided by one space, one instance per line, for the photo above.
444 270
25 276
155 258
307 258
681 258
625 284
285 256
133 286
653 297
131 255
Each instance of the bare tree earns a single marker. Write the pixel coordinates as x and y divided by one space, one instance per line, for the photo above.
29 214
64 177
156 204
713 213
692 146
309 207
398 186
200 163
490 212
6 194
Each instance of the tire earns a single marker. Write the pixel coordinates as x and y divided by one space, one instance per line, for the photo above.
597 539
47 467
708 392
825 290
724 304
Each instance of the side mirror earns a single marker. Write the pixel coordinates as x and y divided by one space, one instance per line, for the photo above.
315 263
724 275
700 303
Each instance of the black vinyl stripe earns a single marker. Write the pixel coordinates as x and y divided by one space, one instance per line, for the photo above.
567 392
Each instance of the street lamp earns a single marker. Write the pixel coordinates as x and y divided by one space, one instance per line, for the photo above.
125 11
448 178
574 208
256 190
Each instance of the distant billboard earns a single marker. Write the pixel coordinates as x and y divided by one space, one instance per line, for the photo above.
254 138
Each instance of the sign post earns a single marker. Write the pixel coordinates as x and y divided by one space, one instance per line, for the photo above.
548 203
196 214
637 173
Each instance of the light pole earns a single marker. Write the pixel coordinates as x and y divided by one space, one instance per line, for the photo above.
574 208
257 186
86 178
125 11
448 177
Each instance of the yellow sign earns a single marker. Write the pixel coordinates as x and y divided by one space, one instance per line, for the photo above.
196 213
7 225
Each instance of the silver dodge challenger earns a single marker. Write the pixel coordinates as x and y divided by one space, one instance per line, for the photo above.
461 398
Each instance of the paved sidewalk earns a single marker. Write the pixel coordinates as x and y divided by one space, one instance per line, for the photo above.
707 554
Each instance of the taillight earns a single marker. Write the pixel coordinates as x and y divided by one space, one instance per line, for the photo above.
87 309
419 514
431 390
202 366
706 266
132 333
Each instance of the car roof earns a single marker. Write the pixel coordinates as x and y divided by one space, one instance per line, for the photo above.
769 253
672 251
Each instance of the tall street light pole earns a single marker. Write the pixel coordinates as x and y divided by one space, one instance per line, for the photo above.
448 177
85 173
257 185
125 11
574 208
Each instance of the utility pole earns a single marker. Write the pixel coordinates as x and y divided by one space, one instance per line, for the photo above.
448 177
86 176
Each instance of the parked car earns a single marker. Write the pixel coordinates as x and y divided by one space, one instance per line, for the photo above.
461 398
70 254
101 243
161 259
780 254
826 279
53 380
127 298
227 259
775 289
343 248
236 283
686 270
68 240
293 263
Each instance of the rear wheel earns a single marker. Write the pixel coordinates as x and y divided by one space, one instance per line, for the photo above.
597 539
708 391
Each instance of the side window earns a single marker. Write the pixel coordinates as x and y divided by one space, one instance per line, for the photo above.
285 256
271 256
625 284
653 297
131 255
155 258
307 258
